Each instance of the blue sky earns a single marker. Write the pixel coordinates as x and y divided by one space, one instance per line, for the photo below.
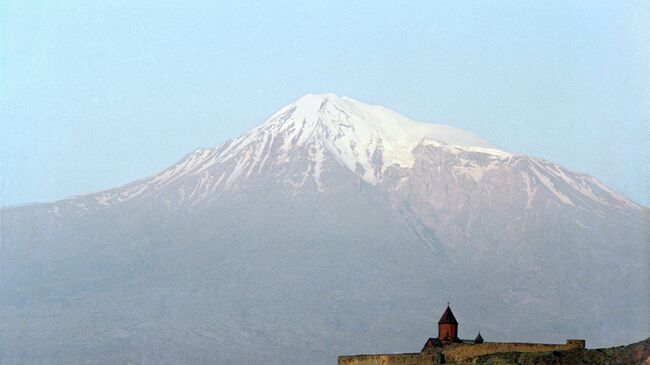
94 94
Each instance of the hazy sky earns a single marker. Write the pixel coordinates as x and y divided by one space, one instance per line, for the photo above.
95 94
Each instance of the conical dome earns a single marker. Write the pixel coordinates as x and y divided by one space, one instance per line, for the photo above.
448 317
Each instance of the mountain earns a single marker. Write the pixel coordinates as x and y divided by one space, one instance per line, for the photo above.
332 227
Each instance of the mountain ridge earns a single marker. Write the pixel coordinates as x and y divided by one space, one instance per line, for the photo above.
369 164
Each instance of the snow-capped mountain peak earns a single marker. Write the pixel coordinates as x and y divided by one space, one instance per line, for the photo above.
302 144
365 138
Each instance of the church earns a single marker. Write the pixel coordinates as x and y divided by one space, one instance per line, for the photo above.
448 332
449 348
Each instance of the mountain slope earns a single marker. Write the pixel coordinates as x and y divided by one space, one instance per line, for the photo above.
333 227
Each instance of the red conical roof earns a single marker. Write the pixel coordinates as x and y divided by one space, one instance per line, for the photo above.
448 317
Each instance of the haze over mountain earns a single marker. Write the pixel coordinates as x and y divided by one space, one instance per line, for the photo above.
332 227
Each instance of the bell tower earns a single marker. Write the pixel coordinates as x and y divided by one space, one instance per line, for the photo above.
448 327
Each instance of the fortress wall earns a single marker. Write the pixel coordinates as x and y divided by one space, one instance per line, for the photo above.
387 359
464 351
456 352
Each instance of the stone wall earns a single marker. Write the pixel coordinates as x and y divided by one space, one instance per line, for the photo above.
387 359
456 352
462 352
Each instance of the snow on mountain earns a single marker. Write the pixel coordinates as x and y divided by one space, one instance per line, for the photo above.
320 129
365 138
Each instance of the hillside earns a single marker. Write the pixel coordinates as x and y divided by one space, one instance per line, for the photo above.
633 354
